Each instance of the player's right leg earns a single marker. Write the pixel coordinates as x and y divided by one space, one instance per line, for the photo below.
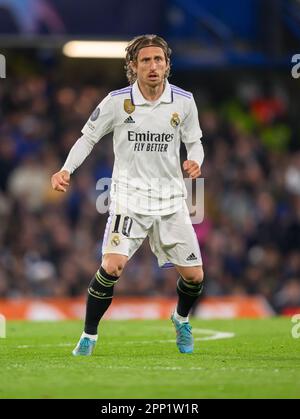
122 237
100 294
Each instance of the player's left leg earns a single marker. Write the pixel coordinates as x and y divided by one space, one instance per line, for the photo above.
189 288
173 239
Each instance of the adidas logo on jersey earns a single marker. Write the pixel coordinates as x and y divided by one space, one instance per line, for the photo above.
191 257
129 120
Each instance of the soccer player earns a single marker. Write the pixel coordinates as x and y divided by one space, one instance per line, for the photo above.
149 119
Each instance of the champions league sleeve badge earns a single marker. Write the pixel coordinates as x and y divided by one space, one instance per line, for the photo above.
95 114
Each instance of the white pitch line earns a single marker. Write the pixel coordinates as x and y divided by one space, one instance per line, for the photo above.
156 367
44 345
215 335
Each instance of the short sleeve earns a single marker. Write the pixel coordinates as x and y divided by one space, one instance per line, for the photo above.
101 121
190 128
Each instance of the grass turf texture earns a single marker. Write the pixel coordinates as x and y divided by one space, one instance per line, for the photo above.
135 359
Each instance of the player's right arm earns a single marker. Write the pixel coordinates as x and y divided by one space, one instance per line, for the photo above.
60 181
100 123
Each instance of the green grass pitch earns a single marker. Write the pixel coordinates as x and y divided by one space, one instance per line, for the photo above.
139 359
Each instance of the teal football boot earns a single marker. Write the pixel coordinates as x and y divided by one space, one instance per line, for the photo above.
84 347
184 338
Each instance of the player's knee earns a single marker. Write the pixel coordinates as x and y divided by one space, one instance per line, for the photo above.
113 265
196 276
112 268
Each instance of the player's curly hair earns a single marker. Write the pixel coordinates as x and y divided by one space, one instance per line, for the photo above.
140 42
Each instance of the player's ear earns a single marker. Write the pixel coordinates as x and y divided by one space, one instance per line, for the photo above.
168 65
133 66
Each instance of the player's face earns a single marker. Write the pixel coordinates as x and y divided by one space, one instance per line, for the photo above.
151 66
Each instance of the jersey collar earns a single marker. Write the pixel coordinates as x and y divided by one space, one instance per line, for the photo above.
138 99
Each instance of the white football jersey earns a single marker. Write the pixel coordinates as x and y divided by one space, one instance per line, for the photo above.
147 176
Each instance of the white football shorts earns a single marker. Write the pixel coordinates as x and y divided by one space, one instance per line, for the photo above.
171 237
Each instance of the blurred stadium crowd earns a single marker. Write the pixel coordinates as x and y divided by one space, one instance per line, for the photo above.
50 243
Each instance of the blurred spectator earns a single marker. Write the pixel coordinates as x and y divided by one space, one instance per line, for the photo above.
29 183
288 296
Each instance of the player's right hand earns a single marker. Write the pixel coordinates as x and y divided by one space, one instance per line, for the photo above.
60 181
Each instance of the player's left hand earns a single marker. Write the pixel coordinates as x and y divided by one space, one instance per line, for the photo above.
192 168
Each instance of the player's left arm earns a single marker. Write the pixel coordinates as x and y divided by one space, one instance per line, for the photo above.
195 156
191 136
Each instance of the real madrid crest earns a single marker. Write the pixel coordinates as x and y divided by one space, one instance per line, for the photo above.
128 106
115 241
175 120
